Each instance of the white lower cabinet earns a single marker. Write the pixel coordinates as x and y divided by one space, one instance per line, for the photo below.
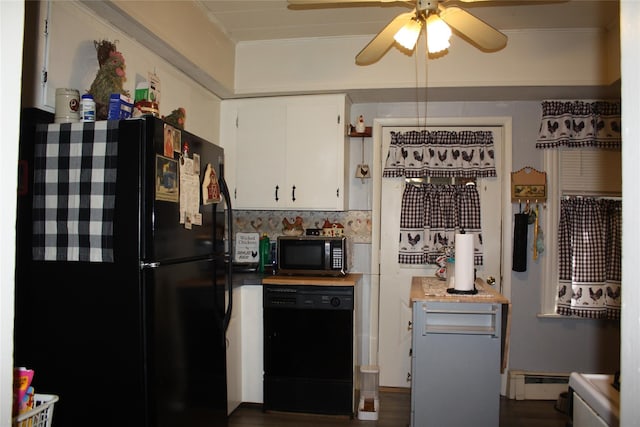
244 347
252 344
289 153
584 416
234 349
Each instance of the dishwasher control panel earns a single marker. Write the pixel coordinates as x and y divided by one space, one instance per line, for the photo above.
309 297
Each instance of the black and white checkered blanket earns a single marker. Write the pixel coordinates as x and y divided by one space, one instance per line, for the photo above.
74 191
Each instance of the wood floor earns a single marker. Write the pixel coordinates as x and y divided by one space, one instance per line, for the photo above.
395 412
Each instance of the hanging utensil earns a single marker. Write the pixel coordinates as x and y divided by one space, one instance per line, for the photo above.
535 234
362 170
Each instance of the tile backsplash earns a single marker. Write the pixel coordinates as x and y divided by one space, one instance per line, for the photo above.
357 224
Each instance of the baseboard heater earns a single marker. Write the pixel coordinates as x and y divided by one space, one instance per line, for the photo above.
524 385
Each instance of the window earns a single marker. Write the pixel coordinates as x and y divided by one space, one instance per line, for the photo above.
589 172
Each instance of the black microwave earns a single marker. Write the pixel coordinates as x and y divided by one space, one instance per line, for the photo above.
312 256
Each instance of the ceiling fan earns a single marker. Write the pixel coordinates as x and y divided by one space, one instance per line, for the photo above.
434 16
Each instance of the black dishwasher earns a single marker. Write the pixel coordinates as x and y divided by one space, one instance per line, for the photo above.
308 349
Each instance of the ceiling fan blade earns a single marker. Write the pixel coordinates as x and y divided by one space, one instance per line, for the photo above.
379 45
473 28
515 2
339 1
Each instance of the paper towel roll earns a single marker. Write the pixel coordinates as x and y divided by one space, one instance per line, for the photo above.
464 265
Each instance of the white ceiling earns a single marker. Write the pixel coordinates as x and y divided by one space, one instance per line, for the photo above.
247 20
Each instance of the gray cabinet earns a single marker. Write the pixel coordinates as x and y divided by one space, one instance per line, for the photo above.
455 364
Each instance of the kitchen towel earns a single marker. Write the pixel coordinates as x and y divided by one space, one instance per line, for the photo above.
74 191
520 231
464 265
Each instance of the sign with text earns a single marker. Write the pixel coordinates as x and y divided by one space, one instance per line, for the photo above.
246 247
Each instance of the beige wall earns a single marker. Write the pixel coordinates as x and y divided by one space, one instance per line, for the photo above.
69 56
532 58
578 58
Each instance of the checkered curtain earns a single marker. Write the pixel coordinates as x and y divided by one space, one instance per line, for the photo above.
580 124
431 215
444 154
590 257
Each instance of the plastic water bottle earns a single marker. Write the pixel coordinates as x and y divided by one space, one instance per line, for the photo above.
265 250
87 108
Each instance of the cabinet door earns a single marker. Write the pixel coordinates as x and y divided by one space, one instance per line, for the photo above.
315 157
260 155
455 379
252 343
234 354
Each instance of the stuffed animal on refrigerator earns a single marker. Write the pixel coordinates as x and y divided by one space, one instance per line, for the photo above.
177 118
110 77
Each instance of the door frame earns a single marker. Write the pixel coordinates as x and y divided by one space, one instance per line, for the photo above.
504 122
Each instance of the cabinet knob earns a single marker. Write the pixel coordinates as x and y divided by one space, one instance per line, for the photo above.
293 193
277 188
491 280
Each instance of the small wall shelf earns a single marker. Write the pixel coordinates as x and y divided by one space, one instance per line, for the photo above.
366 133
528 184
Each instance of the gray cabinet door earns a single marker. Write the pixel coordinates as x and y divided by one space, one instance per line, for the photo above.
455 365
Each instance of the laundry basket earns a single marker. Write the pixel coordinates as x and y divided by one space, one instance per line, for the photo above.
41 415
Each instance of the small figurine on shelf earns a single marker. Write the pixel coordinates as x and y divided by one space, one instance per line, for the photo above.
332 229
177 118
360 127
292 228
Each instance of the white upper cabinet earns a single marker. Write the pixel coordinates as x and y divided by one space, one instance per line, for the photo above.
290 152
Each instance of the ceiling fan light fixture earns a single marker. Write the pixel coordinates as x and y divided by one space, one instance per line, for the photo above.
438 34
408 35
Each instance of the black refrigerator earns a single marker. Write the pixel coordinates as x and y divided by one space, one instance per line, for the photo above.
123 287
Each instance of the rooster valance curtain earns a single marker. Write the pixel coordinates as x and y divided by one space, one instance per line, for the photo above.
417 154
430 217
580 124
590 256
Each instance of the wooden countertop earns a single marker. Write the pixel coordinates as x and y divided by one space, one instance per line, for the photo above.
349 280
427 288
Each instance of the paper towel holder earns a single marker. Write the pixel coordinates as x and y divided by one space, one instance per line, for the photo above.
473 291
455 291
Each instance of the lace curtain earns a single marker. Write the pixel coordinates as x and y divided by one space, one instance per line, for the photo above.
430 217
580 124
590 257
417 154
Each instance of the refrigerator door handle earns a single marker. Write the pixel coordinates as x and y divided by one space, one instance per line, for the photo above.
144 265
228 265
156 264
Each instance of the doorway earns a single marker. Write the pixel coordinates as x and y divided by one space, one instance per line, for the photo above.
393 280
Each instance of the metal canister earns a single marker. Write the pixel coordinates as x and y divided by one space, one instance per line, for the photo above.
67 106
